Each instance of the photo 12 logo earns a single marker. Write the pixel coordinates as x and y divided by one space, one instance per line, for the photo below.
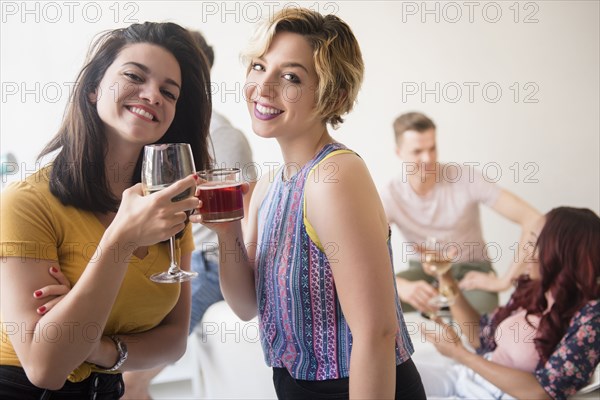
253 12
470 92
52 12
453 12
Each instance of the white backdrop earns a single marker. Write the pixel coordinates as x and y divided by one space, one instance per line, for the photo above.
513 86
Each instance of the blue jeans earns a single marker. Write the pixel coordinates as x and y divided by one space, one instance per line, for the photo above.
205 288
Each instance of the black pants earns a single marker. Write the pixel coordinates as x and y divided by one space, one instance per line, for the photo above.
408 385
15 385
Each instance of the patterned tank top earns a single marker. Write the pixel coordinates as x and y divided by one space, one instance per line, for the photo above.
302 327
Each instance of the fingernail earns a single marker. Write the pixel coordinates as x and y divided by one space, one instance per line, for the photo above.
42 309
37 293
196 177
54 269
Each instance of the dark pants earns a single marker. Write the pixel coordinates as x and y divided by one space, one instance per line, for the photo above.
14 385
482 301
408 385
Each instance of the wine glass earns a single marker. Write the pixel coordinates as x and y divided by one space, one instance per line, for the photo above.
438 255
163 165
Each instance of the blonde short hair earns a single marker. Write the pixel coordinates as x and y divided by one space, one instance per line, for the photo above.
338 59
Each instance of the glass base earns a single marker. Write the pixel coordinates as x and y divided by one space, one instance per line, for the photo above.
440 301
225 216
167 277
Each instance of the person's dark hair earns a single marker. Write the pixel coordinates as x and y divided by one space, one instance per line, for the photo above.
569 264
207 50
77 176
412 121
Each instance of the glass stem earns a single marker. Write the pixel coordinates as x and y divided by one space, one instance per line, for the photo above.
174 267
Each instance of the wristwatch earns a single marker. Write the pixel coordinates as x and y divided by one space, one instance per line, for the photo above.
121 349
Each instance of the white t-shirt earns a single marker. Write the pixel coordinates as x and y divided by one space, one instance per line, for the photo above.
449 211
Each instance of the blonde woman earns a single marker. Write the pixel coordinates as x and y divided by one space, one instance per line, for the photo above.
316 264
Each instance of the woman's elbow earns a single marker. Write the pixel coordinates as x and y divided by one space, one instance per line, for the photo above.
377 334
244 311
45 377
179 351
245 314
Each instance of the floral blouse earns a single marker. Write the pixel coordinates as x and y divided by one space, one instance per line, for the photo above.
571 365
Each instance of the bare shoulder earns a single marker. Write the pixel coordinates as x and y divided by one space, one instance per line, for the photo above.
342 185
339 173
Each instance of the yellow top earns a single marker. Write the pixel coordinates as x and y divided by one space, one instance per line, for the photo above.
36 225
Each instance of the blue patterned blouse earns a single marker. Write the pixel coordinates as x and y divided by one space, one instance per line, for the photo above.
302 326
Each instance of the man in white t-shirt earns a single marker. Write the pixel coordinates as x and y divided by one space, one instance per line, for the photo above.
430 199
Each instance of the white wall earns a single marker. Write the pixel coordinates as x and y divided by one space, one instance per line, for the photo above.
548 49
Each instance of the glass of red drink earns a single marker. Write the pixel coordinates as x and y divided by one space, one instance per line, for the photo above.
221 193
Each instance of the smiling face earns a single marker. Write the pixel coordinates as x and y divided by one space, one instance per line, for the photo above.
280 89
418 148
136 98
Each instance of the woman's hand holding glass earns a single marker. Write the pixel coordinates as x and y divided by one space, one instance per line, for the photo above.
162 167
221 194
147 220
446 340
437 256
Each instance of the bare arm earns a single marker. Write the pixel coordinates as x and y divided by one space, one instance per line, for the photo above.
416 293
164 344
463 312
350 223
520 212
47 363
519 384
247 198
237 252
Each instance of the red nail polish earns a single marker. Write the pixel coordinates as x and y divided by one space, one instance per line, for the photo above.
54 269
42 309
37 293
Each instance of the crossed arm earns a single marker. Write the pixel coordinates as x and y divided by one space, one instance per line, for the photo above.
144 220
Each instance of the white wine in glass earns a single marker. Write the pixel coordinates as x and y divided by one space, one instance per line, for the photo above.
163 165
438 257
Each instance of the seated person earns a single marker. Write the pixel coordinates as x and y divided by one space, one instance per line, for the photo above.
544 342
442 200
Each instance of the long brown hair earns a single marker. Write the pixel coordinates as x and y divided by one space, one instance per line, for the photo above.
569 263
78 176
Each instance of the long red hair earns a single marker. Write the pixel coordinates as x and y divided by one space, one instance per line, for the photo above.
569 263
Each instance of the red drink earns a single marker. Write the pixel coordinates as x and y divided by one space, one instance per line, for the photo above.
221 201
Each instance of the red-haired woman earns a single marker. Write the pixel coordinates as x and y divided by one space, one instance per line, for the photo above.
544 343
